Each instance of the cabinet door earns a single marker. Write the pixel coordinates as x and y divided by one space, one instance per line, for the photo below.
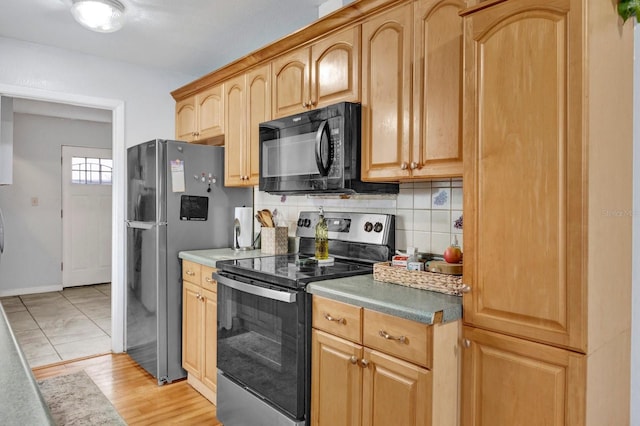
386 94
395 392
235 131
290 77
510 381
524 177
258 111
335 68
186 119
192 312
209 337
210 105
336 381
437 95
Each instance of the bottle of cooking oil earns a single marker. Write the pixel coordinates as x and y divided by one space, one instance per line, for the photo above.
322 237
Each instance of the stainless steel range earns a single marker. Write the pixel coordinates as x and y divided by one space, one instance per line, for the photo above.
264 317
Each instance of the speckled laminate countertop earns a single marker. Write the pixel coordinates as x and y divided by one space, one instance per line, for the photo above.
21 402
424 306
209 257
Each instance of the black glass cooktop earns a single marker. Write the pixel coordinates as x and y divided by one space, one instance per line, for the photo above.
286 269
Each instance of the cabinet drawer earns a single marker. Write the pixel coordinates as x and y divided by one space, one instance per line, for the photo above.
403 338
207 279
191 271
337 318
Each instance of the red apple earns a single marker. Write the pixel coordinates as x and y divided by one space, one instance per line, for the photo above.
453 254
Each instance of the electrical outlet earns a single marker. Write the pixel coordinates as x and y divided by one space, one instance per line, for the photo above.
34 201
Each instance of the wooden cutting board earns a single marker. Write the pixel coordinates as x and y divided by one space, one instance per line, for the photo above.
444 268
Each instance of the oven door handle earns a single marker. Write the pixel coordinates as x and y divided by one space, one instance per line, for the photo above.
256 290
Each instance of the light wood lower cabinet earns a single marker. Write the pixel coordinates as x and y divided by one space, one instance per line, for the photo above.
199 327
369 368
511 381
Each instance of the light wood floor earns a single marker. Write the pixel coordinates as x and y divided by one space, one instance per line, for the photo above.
136 395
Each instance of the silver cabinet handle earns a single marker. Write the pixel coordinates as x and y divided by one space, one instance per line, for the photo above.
190 273
364 363
404 166
465 288
328 317
414 165
466 343
387 336
353 360
210 280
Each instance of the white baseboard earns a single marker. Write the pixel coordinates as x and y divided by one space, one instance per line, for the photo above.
30 290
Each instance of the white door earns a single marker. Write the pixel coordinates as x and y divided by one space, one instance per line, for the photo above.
86 215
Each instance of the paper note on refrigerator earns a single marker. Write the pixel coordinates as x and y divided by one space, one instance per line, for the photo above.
177 176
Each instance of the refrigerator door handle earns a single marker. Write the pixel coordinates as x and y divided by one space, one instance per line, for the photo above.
139 225
1 233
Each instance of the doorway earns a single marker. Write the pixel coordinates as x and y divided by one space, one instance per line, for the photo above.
86 215
117 110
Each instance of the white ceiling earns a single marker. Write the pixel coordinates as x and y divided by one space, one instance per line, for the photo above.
193 37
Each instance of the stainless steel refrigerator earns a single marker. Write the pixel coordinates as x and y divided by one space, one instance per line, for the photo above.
176 201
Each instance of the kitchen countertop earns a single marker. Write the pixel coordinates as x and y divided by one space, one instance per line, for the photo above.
21 402
209 257
423 306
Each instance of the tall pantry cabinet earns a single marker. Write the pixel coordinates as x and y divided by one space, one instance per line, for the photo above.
547 149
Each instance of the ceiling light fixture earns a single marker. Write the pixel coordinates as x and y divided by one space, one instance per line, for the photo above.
103 16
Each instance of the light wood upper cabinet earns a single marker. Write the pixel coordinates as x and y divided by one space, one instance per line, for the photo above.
186 119
248 103
511 381
200 118
412 92
386 94
523 174
324 73
437 95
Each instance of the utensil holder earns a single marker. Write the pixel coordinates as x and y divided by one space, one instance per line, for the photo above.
274 240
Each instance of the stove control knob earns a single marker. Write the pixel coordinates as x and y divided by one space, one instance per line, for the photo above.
307 223
368 227
377 227
301 222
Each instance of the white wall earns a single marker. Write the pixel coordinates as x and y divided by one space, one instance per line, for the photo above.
149 107
33 240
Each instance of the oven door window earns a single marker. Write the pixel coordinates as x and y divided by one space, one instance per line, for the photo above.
261 346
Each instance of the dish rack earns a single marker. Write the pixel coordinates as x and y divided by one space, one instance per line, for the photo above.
434 281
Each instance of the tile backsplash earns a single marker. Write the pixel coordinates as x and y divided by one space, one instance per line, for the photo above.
428 214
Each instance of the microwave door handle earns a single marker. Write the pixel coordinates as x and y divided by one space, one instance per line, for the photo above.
323 168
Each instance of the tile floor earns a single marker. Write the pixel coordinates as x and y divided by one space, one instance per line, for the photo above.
62 325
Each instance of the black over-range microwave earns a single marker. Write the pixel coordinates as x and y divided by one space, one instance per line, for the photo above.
315 152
